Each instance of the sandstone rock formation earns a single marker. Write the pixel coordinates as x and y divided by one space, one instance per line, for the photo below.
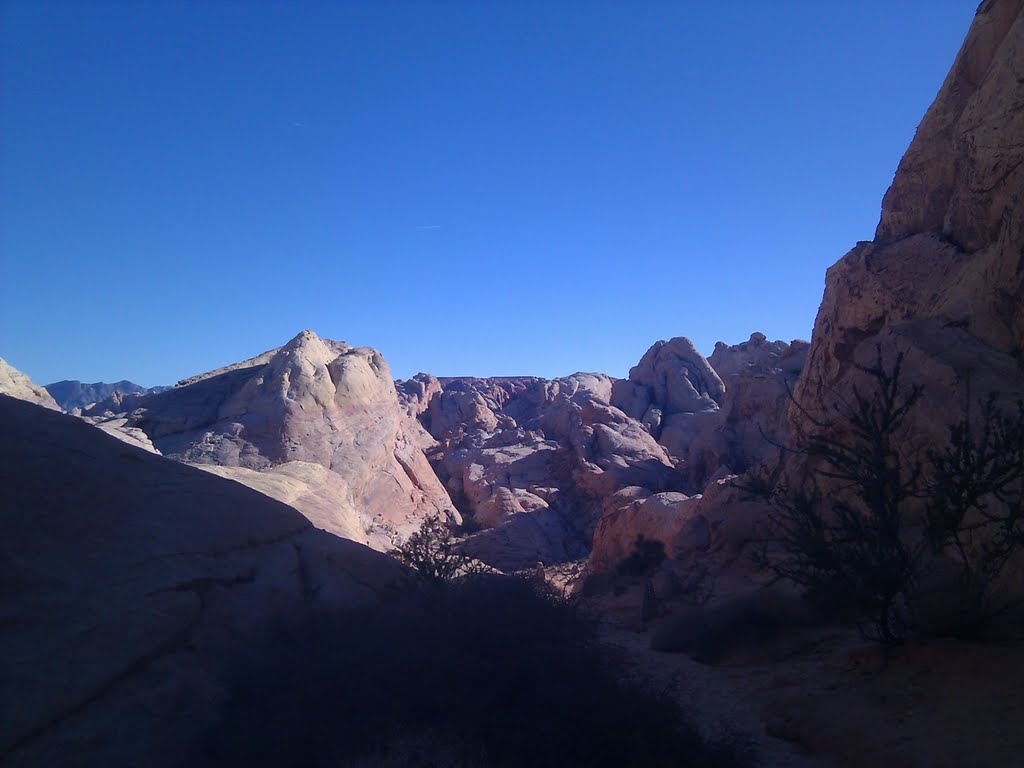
531 460
310 402
942 284
673 391
540 465
759 377
943 280
124 575
719 414
16 384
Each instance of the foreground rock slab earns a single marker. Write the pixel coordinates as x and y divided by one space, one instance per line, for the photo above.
123 575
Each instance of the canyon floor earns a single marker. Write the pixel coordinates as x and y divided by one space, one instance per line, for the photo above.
826 697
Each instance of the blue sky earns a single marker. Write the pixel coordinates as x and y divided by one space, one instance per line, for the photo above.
472 188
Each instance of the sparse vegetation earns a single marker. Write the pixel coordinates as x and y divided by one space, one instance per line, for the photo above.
645 558
976 508
487 671
432 551
854 521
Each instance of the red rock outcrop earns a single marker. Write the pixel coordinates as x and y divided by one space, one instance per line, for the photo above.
14 383
943 280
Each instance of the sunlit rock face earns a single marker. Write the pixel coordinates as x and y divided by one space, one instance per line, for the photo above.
714 417
721 414
942 283
270 421
530 460
14 383
674 392
126 577
536 463
943 280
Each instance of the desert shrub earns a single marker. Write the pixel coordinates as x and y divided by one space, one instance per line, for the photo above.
976 508
489 671
645 558
852 543
710 634
843 524
432 552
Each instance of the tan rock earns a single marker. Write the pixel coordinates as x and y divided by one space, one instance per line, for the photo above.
549 450
313 401
943 282
17 384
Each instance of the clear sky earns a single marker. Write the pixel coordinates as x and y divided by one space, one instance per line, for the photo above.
475 188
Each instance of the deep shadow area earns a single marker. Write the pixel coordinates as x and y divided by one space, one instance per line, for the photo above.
491 671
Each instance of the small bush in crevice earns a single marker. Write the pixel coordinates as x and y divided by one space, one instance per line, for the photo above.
432 552
645 558
487 671
863 514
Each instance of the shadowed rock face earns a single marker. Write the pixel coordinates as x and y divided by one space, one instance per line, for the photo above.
123 575
311 402
943 280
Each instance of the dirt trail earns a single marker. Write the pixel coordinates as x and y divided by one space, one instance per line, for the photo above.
826 698
716 705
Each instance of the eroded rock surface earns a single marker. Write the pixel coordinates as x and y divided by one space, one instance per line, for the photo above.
538 464
943 280
531 459
311 402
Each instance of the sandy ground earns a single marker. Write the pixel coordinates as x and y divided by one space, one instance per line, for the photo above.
825 697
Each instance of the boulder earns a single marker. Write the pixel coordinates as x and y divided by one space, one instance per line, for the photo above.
658 517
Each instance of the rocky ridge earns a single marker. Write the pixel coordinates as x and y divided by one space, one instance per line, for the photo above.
315 423
943 280
17 384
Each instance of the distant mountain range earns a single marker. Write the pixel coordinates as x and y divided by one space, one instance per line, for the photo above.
77 394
